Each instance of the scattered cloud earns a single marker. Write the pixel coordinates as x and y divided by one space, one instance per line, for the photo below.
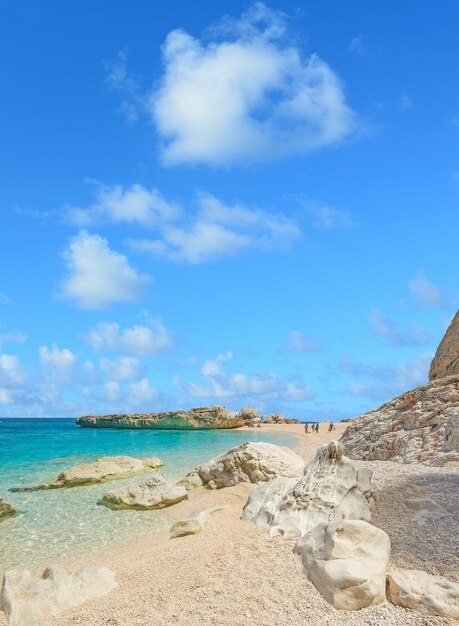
426 293
12 375
14 336
138 340
389 380
262 387
395 336
217 230
327 217
123 368
357 45
300 344
121 80
247 95
98 276
115 203
4 298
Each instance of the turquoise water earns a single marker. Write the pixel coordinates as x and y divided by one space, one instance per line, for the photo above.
61 522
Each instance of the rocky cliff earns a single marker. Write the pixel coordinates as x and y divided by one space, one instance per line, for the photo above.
202 418
446 360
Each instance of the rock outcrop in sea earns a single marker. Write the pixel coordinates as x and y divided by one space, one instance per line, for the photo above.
421 425
203 418
104 469
331 489
6 508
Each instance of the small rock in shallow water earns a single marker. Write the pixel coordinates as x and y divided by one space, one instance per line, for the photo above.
153 493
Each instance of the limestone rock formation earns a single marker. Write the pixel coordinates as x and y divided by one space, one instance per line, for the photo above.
446 360
28 599
201 418
251 462
195 523
426 594
331 489
248 414
421 425
191 481
6 508
426 510
153 493
101 470
347 562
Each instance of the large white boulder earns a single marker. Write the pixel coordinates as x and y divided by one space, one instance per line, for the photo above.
27 599
250 462
101 470
6 508
331 489
153 493
195 523
347 562
426 594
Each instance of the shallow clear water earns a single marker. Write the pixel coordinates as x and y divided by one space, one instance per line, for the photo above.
60 522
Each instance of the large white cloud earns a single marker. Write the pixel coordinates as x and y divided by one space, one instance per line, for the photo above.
98 276
246 95
138 340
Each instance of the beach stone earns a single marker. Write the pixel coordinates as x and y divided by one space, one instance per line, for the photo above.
347 562
28 599
153 493
331 489
446 359
424 593
103 469
426 510
419 426
250 462
248 415
191 481
195 523
6 508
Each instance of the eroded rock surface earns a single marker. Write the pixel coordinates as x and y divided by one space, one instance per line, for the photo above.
6 508
101 470
426 594
201 418
347 562
426 510
331 489
153 493
250 462
28 599
446 360
421 425
195 523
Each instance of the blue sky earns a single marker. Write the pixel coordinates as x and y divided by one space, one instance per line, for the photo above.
241 203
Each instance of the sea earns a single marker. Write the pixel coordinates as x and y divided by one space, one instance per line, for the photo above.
54 524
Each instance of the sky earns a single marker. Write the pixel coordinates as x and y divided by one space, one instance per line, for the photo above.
248 204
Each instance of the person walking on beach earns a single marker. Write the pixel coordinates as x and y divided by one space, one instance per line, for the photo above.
317 428
306 429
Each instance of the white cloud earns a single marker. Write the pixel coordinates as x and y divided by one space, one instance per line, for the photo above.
124 368
327 217
384 327
60 363
248 95
219 230
13 336
118 204
300 344
120 79
98 276
12 375
219 385
138 340
426 293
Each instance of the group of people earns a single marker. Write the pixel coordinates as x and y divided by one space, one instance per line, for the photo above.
315 427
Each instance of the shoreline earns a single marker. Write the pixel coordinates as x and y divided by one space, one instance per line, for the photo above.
233 575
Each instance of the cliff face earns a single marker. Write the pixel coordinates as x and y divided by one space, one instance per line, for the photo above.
203 418
446 360
421 425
